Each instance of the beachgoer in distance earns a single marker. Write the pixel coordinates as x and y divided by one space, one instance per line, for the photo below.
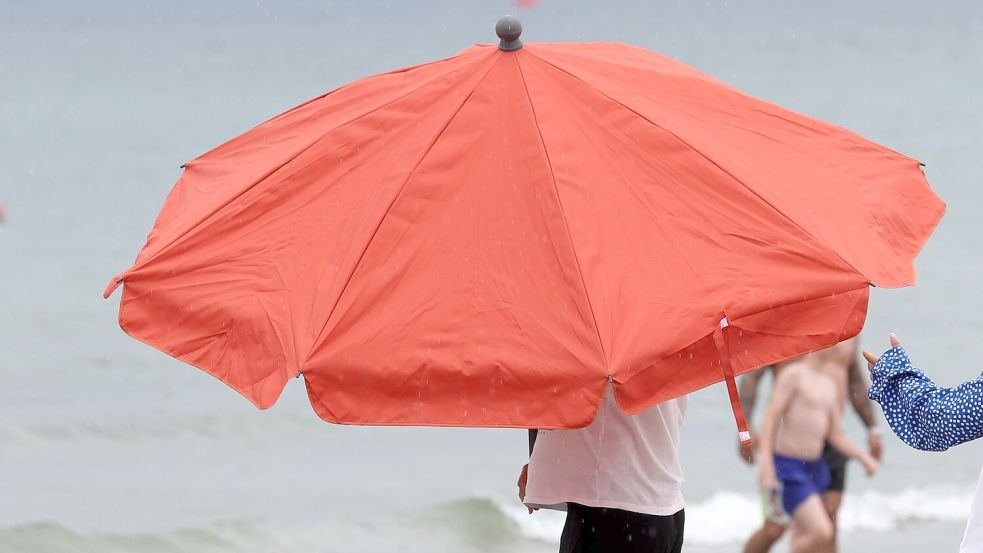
619 479
842 363
928 417
803 414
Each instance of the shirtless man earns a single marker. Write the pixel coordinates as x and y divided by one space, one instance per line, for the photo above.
842 363
803 414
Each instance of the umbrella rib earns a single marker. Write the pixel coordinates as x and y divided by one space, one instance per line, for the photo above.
196 226
368 243
346 85
711 161
656 222
566 225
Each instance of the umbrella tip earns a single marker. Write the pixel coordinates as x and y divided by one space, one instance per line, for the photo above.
508 30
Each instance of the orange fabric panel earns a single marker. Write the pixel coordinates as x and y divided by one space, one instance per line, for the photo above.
468 304
666 241
850 193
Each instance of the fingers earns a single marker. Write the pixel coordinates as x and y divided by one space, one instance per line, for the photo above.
747 453
776 502
872 359
875 448
523 478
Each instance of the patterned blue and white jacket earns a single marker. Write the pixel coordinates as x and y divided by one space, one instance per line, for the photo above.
922 414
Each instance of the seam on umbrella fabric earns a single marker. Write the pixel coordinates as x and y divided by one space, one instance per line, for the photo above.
342 87
290 320
655 220
346 85
823 244
566 225
805 300
758 102
684 71
866 142
318 338
196 226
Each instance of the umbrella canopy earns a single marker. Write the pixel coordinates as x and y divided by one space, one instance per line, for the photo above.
489 239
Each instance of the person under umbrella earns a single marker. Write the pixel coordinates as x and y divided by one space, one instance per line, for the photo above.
619 479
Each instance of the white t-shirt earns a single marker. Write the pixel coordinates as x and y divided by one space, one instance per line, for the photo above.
628 462
973 538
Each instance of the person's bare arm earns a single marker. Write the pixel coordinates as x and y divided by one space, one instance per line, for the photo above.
781 396
839 441
864 407
747 391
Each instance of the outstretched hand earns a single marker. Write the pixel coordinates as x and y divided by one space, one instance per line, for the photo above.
872 359
870 464
874 445
746 450
767 480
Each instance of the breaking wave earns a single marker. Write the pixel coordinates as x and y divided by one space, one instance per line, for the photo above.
474 524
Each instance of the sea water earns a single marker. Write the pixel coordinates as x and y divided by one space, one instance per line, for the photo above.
107 445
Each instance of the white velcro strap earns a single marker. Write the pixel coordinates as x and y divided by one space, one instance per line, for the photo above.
745 436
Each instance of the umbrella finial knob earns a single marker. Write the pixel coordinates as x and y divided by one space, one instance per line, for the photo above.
508 29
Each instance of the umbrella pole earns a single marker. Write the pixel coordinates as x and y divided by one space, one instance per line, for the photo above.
723 350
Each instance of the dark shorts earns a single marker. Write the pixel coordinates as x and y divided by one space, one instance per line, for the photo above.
604 530
836 462
800 479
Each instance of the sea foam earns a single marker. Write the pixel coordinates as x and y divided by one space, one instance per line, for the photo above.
730 517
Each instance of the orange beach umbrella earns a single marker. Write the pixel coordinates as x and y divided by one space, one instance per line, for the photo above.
492 238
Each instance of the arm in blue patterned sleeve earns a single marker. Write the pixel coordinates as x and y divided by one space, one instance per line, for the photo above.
922 414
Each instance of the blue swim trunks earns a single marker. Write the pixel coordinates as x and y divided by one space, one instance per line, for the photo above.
800 479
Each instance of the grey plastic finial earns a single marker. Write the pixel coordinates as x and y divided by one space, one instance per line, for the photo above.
508 29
